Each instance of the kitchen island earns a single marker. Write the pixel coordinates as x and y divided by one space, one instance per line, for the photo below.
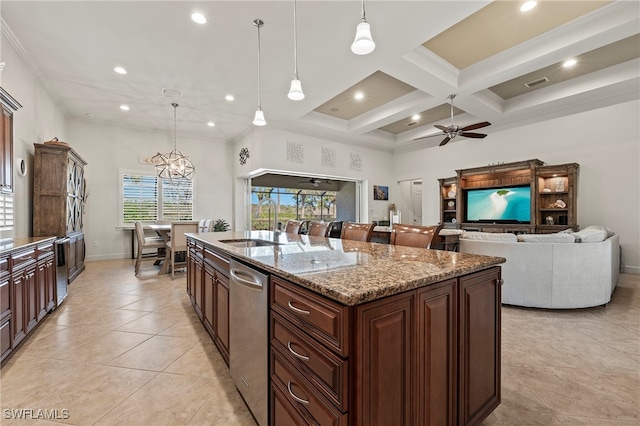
360 333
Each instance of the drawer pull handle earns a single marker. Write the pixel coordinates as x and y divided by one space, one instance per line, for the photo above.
300 400
300 311
296 354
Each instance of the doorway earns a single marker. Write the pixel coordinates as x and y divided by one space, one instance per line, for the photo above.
410 202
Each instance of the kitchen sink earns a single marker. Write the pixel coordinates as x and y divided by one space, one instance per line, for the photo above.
248 242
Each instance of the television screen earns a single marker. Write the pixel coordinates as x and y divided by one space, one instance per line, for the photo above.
510 204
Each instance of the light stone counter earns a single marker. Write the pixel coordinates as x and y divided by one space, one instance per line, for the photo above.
349 272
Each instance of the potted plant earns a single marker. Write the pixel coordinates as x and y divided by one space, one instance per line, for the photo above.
221 225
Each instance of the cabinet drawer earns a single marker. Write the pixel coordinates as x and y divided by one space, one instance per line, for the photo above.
221 263
45 249
283 412
302 394
5 337
328 372
23 257
5 307
4 266
323 319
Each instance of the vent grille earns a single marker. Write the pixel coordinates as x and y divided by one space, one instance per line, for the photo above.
411 123
536 82
173 93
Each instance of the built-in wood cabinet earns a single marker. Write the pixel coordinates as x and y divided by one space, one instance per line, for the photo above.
553 192
208 289
58 199
448 202
9 106
27 292
430 356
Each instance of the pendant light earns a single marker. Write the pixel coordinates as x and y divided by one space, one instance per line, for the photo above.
174 165
295 92
258 119
363 43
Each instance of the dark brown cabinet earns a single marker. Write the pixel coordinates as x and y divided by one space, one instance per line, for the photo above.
436 348
425 357
9 105
479 346
27 291
58 199
208 288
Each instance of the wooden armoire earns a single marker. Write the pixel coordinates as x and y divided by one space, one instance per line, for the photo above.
58 199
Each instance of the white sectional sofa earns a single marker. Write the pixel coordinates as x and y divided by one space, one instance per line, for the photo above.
558 271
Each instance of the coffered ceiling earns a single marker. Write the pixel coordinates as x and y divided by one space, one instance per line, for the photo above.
484 52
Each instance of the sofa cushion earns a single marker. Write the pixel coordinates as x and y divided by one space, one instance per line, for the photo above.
591 234
560 237
489 236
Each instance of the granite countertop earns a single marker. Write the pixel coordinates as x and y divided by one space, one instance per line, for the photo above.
349 272
12 244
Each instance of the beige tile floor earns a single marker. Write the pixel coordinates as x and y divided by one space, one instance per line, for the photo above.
130 351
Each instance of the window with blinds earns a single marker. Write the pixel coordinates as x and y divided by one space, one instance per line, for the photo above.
6 211
147 198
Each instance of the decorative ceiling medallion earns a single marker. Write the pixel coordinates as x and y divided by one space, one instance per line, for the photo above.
295 152
328 157
244 154
356 162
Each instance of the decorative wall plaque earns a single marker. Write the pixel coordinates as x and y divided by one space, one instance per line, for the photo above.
356 162
328 157
295 152
244 154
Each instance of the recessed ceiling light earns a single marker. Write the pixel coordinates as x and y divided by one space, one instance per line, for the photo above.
229 97
359 95
569 63
198 18
415 117
125 107
211 124
120 70
528 5
89 115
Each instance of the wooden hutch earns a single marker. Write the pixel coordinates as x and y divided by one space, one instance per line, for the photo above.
58 199
553 195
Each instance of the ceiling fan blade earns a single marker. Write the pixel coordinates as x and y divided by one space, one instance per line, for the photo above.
429 136
443 128
473 135
476 126
445 141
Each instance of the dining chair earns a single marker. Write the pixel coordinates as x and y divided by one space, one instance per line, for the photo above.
318 229
294 226
201 225
413 235
357 231
178 244
145 242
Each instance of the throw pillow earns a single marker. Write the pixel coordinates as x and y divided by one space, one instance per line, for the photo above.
489 236
560 237
591 234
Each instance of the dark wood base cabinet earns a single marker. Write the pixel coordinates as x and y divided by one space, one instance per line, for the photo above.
425 357
27 292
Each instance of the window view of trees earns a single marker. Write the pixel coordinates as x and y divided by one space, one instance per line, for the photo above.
299 204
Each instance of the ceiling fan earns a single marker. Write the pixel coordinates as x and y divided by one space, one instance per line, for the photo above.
315 181
452 131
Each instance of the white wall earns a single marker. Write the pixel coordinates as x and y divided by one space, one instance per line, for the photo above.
605 142
268 150
38 120
107 149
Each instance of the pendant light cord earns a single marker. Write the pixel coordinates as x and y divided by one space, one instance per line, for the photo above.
364 15
295 41
258 24
175 127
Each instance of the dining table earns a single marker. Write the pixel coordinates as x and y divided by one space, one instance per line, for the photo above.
161 229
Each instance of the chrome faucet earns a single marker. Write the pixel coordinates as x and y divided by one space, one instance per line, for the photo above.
275 213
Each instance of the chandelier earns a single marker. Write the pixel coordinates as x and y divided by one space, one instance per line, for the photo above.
174 164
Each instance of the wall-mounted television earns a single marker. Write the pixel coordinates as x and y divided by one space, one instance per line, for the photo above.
498 205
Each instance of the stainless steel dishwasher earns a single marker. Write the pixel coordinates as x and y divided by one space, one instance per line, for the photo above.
248 334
